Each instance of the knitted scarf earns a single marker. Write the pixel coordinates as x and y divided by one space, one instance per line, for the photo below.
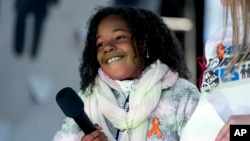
142 101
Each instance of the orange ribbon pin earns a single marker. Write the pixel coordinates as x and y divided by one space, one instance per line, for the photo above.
155 128
220 50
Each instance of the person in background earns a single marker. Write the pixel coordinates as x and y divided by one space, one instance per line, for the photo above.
239 63
39 9
134 80
225 84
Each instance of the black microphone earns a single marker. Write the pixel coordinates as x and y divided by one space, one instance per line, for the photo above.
72 106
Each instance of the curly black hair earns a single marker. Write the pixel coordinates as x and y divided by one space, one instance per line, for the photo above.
145 26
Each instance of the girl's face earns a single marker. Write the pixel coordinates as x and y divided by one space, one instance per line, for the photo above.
115 53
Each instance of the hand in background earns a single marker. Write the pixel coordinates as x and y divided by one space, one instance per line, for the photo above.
224 133
97 135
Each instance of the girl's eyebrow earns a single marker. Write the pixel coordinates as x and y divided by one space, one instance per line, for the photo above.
120 29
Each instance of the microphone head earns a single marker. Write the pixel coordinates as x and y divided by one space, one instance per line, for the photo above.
69 102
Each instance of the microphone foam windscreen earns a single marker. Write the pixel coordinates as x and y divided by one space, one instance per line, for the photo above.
70 103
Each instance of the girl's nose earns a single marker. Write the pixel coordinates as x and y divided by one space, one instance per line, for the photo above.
108 48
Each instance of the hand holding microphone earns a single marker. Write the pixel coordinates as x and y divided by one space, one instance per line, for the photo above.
72 106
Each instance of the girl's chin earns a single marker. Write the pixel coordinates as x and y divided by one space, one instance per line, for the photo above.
122 74
121 77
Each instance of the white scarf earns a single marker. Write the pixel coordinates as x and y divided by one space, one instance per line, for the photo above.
142 102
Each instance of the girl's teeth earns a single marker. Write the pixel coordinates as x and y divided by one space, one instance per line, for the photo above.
113 59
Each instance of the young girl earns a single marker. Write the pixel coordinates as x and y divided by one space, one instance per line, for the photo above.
134 79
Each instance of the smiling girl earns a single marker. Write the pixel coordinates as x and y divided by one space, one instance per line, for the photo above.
134 79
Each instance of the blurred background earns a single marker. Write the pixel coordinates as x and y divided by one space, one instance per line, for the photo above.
40 48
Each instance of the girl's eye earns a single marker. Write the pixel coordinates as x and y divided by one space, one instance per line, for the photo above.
100 45
120 37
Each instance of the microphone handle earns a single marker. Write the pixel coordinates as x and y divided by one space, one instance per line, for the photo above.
84 123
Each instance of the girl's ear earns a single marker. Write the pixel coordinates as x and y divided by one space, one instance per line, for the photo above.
144 43
144 46
145 49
